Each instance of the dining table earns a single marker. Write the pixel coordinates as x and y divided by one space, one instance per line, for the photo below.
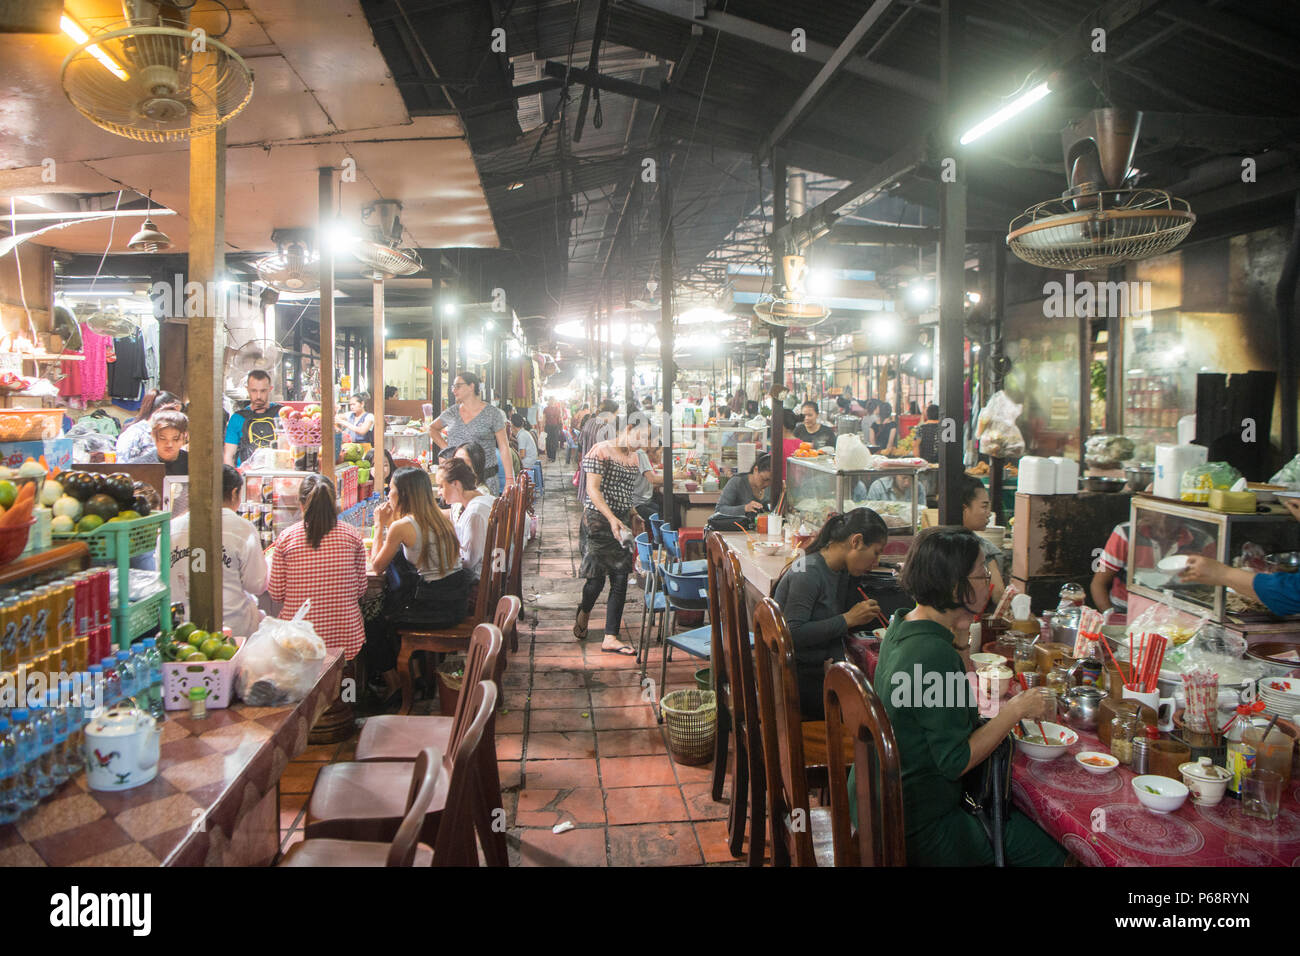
1099 819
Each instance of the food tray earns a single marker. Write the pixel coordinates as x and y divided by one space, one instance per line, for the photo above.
30 424
141 535
217 676
140 617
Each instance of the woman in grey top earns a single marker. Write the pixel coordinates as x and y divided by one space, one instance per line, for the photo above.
814 597
743 497
472 419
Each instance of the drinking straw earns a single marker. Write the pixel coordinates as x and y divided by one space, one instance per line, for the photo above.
780 502
743 531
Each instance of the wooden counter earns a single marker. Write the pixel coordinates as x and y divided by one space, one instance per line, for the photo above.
214 802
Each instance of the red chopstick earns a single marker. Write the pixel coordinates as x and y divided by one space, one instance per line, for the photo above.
879 615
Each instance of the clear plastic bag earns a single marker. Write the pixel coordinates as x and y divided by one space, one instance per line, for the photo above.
1289 475
280 662
1198 482
851 454
1107 451
996 429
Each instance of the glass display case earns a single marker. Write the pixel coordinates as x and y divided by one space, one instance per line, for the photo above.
1160 529
815 490
716 448
412 445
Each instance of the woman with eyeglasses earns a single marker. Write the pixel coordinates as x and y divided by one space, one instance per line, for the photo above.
471 419
935 721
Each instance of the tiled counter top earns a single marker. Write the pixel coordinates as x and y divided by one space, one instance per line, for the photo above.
213 802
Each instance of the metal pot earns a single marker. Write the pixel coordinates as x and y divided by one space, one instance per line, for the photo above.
1080 707
1103 484
1283 562
1140 476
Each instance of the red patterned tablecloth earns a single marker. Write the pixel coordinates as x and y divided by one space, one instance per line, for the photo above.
1098 818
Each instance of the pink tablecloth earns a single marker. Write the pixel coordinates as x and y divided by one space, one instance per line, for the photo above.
1098 818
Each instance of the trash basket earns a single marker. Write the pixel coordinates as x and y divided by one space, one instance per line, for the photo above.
692 719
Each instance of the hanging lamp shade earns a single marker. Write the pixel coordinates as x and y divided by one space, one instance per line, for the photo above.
150 238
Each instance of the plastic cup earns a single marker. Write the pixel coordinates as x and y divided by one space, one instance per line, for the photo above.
774 526
1273 754
1261 795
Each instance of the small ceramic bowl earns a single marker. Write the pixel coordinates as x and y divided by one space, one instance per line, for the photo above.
984 659
1206 782
1094 761
1159 794
1063 739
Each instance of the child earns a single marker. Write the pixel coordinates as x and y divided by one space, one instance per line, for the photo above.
171 432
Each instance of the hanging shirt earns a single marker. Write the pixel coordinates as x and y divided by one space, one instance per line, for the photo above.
126 376
94 370
150 330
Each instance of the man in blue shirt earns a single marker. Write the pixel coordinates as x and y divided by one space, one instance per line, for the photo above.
1280 593
253 427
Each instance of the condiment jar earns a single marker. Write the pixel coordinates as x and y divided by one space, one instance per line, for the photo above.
1124 728
1058 679
1026 658
1141 754
1071 594
198 703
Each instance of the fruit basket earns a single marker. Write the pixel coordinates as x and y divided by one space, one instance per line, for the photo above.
13 540
30 424
303 432
141 535
179 677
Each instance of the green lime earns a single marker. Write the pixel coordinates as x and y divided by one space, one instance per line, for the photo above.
7 494
197 637
89 523
184 631
225 652
196 656
211 646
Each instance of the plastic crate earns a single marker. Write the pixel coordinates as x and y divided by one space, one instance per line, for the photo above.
140 617
179 677
141 535
303 433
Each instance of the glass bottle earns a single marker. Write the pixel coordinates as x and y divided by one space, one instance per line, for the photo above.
153 664
30 748
1123 728
1058 680
1026 658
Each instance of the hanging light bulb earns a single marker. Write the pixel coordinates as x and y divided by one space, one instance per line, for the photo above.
150 238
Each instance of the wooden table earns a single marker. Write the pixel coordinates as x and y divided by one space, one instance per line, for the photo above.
761 571
1098 818
214 802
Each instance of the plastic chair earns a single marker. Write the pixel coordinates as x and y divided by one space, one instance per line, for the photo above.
683 592
852 707
656 526
653 598
670 538
539 482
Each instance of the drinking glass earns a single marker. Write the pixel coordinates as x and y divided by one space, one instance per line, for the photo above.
1261 795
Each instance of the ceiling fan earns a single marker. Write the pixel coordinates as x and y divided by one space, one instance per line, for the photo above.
292 269
793 307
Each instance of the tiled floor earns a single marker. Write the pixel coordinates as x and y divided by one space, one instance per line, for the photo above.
576 741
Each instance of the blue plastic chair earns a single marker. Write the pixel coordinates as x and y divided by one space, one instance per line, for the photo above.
675 554
654 602
684 592
656 524
539 483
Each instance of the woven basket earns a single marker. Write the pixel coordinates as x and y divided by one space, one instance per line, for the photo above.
692 720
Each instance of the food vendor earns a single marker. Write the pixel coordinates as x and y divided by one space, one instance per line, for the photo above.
358 423
135 444
171 432
897 487
1159 536
1280 593
976 510
252 427
743 497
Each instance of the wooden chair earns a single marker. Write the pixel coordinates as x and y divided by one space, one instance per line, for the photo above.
852 707
748 782
799 835
367 800
715 550
455 639
519 519
404 850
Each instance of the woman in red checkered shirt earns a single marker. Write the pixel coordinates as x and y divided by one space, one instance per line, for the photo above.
321 559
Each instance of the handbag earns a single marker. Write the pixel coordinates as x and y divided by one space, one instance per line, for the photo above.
986 795
409 599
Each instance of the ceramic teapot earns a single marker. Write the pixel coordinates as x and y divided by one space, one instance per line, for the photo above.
121 748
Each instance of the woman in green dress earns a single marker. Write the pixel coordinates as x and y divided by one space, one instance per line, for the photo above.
940 738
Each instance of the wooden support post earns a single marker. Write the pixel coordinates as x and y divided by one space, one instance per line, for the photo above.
377 376
777 428
666 253
325 202
436 387
206 338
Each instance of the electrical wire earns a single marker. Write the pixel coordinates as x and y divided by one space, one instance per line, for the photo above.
18 264
112 227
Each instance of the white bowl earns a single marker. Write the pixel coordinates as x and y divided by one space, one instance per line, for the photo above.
1169 795
985 659
1065 735
1081 759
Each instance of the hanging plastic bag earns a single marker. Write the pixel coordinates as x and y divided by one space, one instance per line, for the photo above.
280 662
996 429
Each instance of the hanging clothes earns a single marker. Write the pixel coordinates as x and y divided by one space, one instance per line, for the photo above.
94 370
150 329
70 384
126 376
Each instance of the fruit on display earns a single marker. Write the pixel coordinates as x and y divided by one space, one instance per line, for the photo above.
102 505
68 507
20 510
8 492
120 487
31 468
191 645
51 492
352 452
89 523
140 505
150 494
79 484
63 524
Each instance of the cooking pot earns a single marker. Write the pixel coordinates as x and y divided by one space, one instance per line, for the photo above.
1140 476
1105 485
122 749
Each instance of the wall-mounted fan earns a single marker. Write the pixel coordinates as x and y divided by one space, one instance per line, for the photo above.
111 322
142 77
792 307
382 252
1099 220
293 269
264 354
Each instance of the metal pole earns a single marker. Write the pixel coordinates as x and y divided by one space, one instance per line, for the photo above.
666 327
377 380
435 357
777 429
997 312
325 198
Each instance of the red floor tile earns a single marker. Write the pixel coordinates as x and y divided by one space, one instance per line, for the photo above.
618 678
631 743
580 847
546 808
557 651
299 777
700 802
654 844
566 699
291 805
544 721
687 774
511 772
560 774
510 746
644 805
623 718
712 835
567 745
559 679
511 722
617 697
636 772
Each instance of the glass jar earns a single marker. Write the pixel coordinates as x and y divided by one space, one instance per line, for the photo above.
1124 728
1058 680
1072 595
1026 658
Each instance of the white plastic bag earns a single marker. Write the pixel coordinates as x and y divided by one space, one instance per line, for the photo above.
280 662
851 454
996 429
1289 475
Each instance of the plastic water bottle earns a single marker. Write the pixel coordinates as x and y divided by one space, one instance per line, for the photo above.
51 758
56 715
153 664
29 752
126 676
12 804
112 684
93 696
72 715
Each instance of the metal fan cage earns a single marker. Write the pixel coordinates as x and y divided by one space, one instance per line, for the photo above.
790 313
1122 225
286 272
387 262
146 83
